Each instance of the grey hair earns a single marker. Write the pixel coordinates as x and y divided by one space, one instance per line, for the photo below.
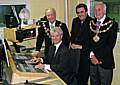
101 3
50 9
56 29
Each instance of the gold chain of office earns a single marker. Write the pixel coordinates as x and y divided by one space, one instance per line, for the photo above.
47 30
101 31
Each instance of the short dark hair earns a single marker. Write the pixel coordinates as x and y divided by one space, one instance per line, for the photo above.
82 5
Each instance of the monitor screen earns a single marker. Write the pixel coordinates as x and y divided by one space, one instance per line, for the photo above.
11 21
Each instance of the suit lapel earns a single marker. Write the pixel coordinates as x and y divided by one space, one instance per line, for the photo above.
104 27
57 23
51 53
47 25
59 50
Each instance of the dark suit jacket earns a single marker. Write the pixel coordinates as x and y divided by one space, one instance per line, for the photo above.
80 36
103 49
42 35
61 63
79 32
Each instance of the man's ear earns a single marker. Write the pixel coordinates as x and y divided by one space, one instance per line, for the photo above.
61 36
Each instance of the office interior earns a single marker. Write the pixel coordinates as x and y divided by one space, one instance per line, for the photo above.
65 10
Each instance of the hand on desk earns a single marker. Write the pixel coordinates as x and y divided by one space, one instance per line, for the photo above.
36 54
40 66
36 60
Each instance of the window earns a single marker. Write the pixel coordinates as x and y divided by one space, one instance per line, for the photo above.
7 10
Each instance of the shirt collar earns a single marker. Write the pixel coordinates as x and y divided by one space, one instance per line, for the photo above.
52 23
102 19
58 44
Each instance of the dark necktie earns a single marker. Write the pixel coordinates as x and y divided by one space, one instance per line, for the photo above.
52 59
54 49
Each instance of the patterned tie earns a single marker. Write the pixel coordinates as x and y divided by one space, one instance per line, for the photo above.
52 26
98 23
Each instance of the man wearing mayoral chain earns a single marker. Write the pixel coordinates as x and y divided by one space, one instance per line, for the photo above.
102 41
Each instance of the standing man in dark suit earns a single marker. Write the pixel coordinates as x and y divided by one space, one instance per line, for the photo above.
44 31
80 42
58 58
103 39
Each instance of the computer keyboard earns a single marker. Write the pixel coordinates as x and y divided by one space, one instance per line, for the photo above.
24 63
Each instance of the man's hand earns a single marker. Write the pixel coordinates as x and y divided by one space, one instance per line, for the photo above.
94 60
35 54
36 60
75 46
40 66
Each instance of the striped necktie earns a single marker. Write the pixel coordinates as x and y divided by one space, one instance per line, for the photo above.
98 25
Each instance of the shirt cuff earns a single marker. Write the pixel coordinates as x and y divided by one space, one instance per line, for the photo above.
91 53
36 51
47 67
41 60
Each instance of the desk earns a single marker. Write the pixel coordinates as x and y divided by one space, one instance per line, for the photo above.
16 76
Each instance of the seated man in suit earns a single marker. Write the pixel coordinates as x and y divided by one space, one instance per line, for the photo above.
58 58
45 28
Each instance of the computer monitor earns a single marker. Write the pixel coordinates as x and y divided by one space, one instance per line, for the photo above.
11 21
